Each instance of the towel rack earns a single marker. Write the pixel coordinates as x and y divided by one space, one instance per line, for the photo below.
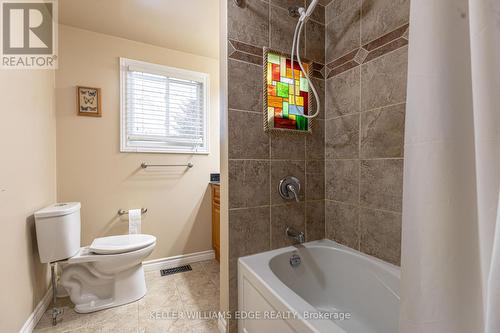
125 212
144 165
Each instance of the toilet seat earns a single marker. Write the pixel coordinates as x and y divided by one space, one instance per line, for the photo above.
121 243
114 249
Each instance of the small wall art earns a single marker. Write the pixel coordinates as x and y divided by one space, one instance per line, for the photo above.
88 101
286 98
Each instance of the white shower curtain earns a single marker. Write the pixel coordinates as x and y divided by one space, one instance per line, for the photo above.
450 280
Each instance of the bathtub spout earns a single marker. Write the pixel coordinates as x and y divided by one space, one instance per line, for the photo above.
297 236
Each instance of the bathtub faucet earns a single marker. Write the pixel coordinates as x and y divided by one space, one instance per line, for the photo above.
297 236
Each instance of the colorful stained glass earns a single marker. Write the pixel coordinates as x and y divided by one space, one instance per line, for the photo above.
275 101
271 90
282 89
276 73
273 58
287 97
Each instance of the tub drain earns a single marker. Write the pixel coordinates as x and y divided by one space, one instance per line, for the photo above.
180 269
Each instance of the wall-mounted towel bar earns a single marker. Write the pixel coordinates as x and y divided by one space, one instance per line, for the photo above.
124 212
144 165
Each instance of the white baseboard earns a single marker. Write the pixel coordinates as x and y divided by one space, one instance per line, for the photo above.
183 259
222 325
37 314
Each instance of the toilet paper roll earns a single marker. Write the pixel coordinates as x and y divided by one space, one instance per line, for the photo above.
134 221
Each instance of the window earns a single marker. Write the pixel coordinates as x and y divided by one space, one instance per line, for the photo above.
163 109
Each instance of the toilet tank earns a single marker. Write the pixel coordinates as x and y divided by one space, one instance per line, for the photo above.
58 231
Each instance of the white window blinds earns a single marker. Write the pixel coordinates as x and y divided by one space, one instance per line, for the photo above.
163 109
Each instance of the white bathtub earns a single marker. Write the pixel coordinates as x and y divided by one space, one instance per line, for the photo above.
331 280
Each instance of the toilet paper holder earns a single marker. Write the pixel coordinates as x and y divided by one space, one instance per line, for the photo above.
125 212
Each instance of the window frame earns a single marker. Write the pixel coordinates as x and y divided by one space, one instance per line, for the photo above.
183 74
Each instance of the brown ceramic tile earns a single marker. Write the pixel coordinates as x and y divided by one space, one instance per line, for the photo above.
325 2
285 4
233 280
319 84
315 180
288 147
340 7
361 56
342 60
380 17
318 14
382 132
282 27
237 55
342 137
230 49
342 180
406 34
244 86
343 94
250 23
389 37
281 169
247 139
342 68
381 234
394 45
317 74
315 220
247 48
381 184
342 223
248 183
315 142
383 80
315 46
283 216
342 34
317 65
248 231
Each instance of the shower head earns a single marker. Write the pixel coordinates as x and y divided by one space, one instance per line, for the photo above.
305 13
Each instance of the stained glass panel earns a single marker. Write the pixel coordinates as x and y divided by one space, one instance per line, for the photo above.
287 95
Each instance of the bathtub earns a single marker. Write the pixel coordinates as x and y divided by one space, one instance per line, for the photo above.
334 289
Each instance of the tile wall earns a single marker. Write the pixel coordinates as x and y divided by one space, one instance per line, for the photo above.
351 167
366 55
258 217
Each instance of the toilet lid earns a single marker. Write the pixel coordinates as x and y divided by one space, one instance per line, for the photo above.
121 244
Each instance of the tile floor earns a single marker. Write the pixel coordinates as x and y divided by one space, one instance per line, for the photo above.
196 290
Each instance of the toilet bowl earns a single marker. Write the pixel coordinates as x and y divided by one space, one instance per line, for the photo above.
97 281
105 274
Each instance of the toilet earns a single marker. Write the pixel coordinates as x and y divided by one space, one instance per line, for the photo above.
105 274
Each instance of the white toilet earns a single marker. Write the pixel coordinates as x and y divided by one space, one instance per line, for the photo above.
105 274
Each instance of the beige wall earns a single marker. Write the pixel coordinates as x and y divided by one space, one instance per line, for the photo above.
93 171
27 183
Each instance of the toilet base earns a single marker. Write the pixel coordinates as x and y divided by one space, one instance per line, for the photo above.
91 291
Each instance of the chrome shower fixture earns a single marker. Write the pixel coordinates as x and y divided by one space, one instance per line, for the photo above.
304 15
294 11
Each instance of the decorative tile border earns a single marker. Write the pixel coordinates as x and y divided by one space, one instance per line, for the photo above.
244 52
372 50
318 70
254 55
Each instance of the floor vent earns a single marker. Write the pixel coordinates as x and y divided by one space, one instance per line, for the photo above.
174 270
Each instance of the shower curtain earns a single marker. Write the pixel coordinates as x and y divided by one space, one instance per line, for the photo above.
450 269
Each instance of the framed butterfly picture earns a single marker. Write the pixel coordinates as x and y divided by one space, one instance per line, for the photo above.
88 101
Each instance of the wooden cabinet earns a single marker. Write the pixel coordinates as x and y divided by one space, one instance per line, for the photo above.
216 220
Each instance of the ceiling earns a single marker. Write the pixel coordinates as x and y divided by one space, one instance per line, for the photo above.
186 25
